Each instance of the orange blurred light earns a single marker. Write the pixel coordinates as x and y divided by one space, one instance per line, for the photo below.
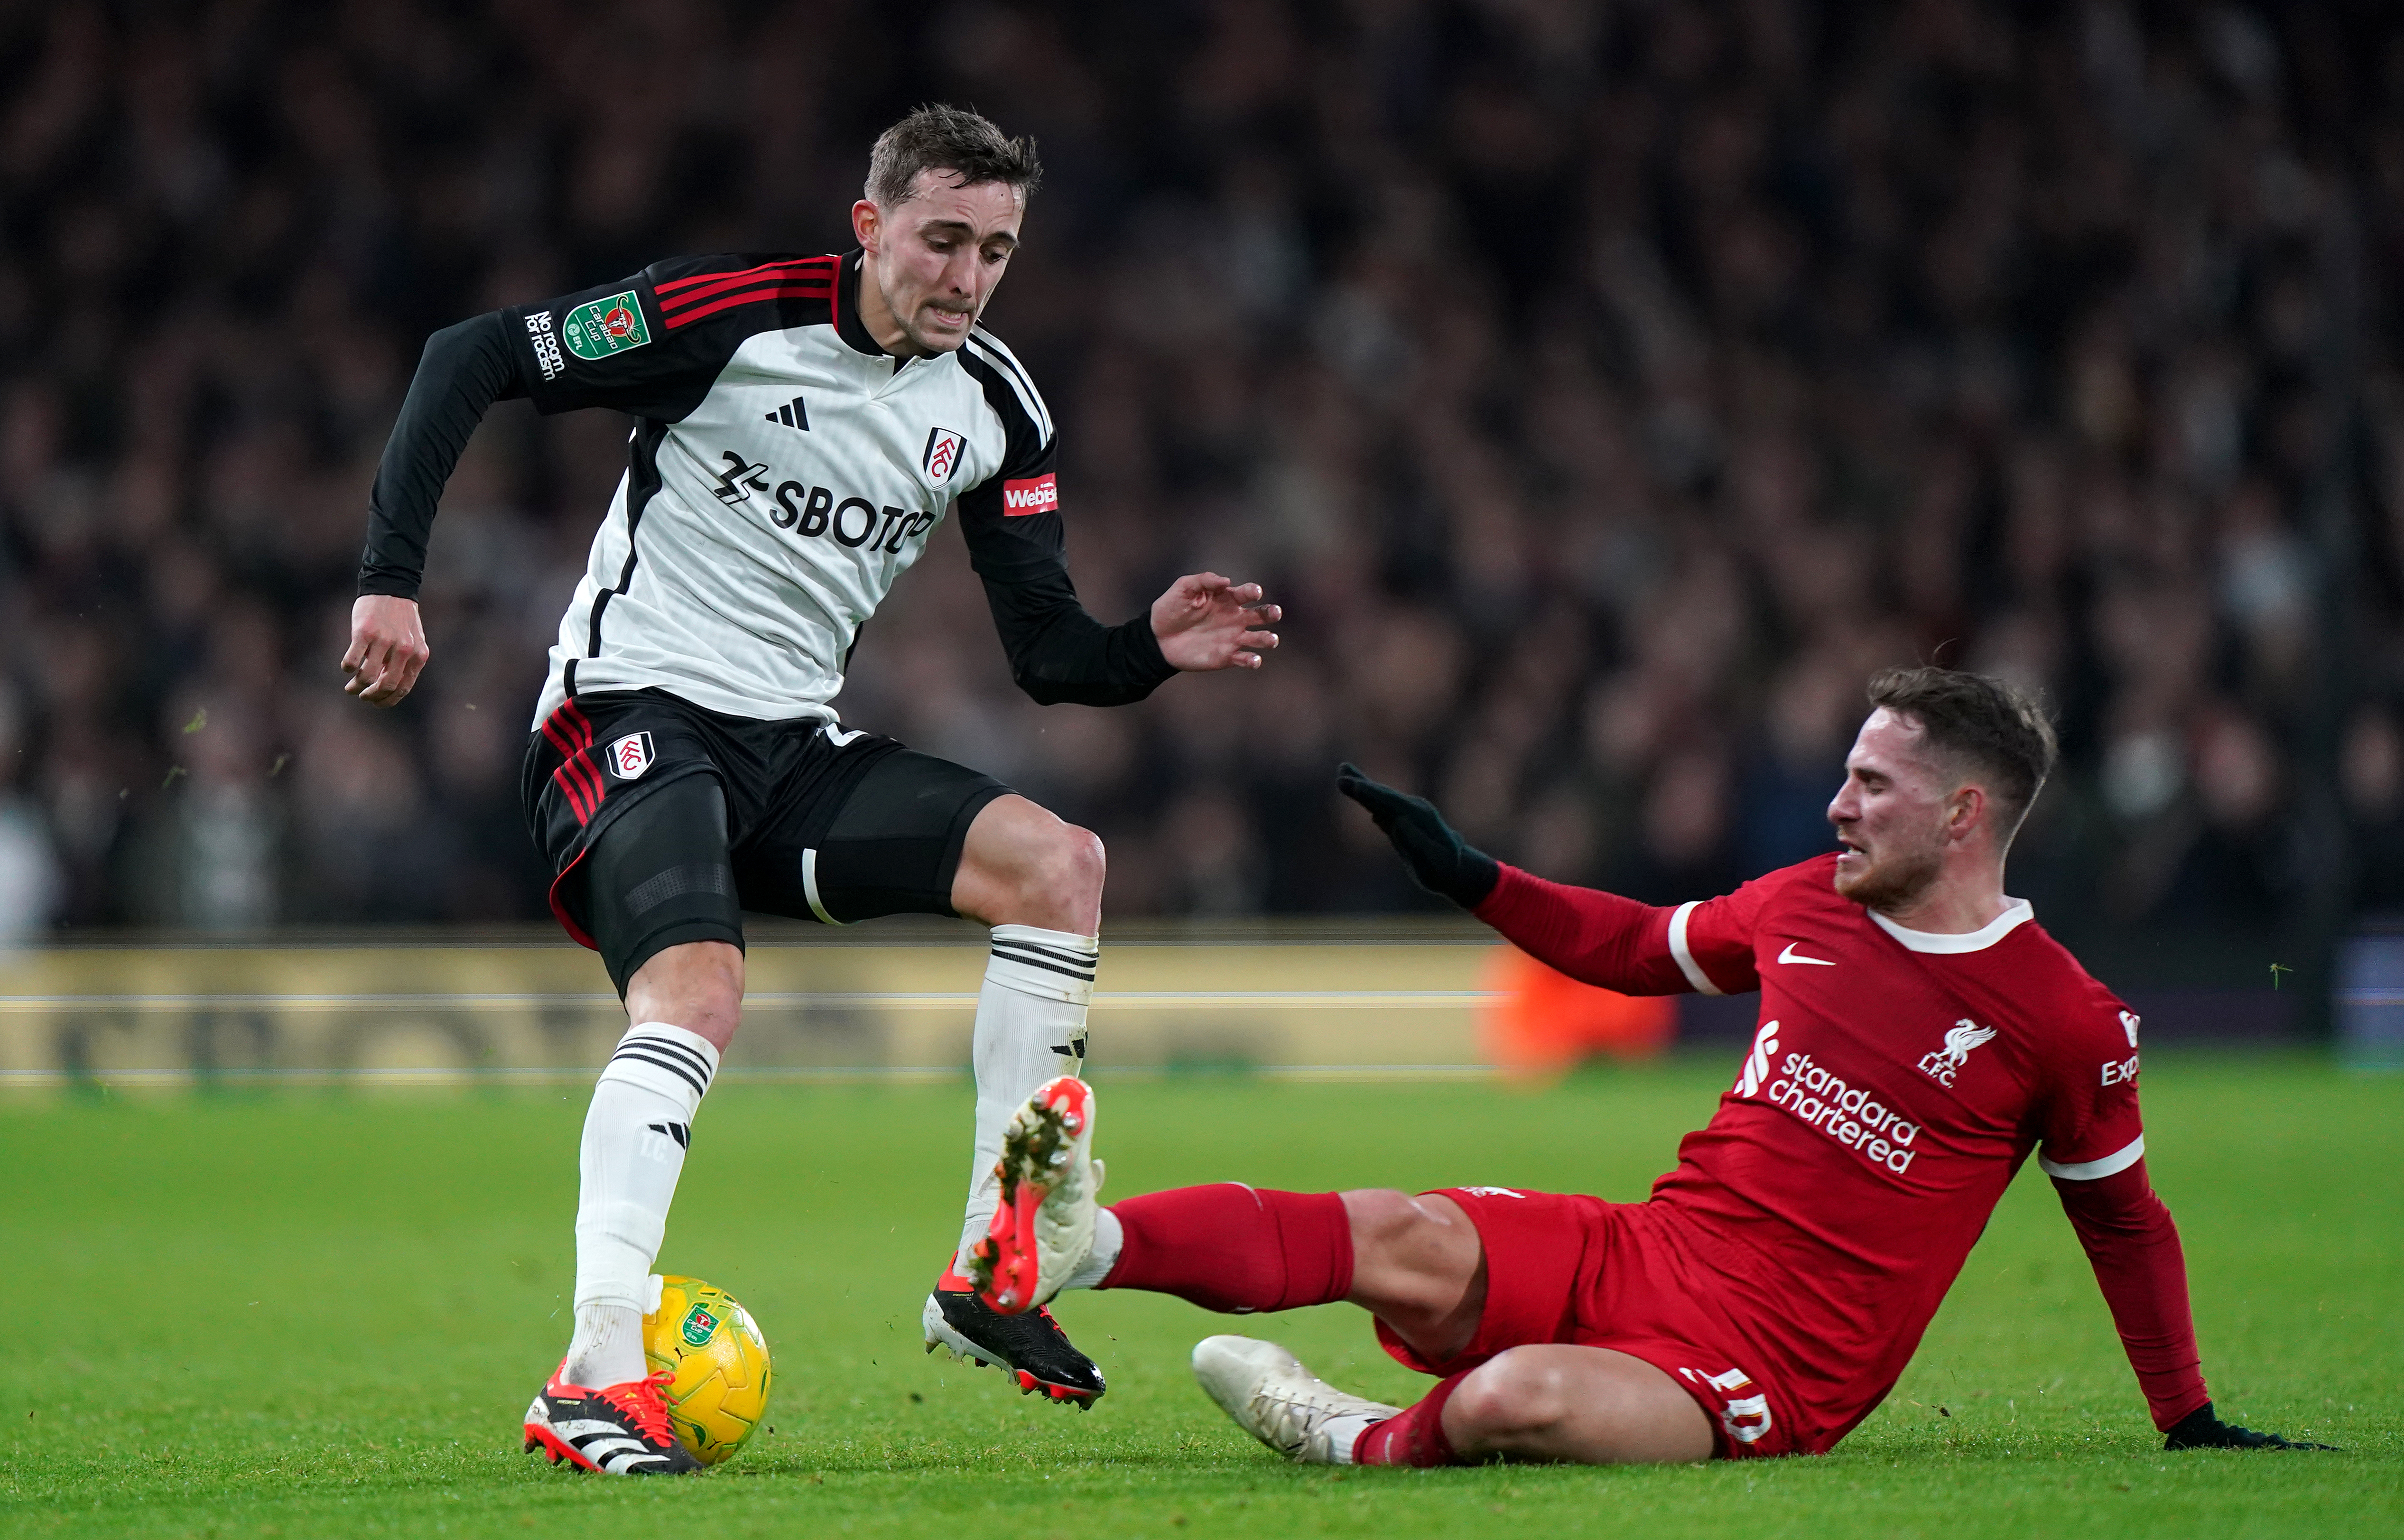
1540 1022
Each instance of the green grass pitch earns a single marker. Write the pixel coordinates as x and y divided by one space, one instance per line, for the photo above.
308 1312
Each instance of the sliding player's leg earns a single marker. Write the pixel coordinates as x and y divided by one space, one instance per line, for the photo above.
1560 1400
1414 1262
658 894
1420 1264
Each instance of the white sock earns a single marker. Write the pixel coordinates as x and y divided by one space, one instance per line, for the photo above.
1109 1238
635 1138
1344 1434
1030 1027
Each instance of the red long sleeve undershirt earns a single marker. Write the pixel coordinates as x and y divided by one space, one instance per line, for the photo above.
2134 1250
1593 937
1619 944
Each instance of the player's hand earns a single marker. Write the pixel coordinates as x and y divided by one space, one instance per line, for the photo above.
387 649
1440 860
2200 1430
1206 622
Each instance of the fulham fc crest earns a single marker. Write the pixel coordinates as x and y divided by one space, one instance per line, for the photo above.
944 450
630 756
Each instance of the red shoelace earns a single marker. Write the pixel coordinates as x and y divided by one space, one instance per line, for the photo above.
642 1400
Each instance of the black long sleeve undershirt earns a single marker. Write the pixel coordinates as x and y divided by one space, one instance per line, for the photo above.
464 371
1060 653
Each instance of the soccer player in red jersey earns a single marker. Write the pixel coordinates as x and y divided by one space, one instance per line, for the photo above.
1918 1037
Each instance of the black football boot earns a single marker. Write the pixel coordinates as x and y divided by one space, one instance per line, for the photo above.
1031 1348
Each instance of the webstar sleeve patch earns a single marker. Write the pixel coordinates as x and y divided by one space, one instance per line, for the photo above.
1037 494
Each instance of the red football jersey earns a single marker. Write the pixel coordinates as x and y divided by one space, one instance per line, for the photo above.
1895 1083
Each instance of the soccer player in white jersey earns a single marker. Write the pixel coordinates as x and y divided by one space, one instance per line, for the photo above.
801 427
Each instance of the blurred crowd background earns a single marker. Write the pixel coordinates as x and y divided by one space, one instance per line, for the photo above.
1605 389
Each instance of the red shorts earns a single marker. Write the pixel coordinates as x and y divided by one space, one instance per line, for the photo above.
1563 1268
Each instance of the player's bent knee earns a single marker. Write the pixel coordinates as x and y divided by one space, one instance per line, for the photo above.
1512 1395
1023 865
1075 867
1409 1255
1593 1405
1381 1218
1060 885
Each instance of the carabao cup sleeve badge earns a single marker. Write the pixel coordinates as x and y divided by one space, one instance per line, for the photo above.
600 327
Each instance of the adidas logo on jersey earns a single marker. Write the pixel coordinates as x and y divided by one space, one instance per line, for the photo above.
793 413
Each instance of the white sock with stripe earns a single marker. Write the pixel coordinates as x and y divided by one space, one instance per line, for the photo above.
1030 1027
636 1134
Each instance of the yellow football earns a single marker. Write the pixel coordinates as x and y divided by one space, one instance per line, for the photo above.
718 1363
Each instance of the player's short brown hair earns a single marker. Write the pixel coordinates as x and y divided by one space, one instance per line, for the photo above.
1984 723
936 137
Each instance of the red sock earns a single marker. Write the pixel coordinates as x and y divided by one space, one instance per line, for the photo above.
1229 1247
1412 1437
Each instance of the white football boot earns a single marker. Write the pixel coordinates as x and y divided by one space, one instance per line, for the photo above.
1270 1395
1042 1228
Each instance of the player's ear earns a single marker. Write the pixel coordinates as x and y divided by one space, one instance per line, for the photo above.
867 224
1965 810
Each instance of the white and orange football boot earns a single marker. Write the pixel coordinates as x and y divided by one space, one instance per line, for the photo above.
617 1430
1043 1229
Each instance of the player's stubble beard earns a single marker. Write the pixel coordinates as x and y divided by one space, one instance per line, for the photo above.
1896 876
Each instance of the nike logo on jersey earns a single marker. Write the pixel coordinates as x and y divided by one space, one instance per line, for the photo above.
792 415
1791 955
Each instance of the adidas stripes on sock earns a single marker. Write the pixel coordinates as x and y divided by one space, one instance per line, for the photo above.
636 1134
1030 1027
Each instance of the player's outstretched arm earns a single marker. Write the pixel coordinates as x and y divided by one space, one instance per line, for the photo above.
465 369
1593 937
1440 860
2200 1430
1206 623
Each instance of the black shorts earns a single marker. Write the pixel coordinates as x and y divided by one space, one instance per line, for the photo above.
663 821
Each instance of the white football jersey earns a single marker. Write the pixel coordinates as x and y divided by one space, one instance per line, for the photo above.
784 472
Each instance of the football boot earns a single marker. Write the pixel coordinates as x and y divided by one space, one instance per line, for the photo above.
1270 1395
617 1430
1042 1228
1030 1347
